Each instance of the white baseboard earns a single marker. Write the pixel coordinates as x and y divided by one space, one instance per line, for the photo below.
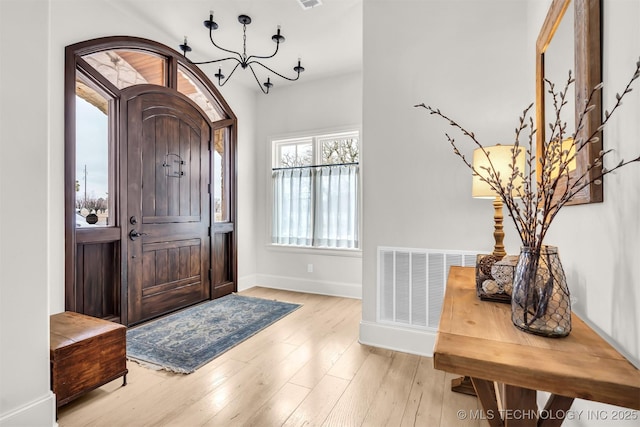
336 289
406 340
246 282
40 412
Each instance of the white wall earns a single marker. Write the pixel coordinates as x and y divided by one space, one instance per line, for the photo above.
468 58
25 398
315 106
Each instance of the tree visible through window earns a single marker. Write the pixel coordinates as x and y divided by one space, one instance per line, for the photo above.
340 150
315 191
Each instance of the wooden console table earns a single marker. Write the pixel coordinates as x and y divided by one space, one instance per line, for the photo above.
506 366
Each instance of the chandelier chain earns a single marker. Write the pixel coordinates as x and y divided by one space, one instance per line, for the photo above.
244 41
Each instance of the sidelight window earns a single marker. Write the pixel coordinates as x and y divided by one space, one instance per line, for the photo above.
220 174
94 177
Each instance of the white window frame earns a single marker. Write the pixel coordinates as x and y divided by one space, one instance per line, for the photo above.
277 144
314 137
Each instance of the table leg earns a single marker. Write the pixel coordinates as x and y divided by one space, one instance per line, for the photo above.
487 396
519 406
463 385
555 410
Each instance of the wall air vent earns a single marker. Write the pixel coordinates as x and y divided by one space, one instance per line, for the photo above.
309 4
411 284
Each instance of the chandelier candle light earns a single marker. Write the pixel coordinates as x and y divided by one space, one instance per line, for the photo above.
242 59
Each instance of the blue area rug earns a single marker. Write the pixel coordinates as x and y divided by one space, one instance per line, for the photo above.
184 341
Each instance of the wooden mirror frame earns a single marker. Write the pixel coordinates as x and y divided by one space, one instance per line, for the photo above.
587 73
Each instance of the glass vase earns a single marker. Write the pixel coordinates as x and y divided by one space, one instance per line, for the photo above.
540 301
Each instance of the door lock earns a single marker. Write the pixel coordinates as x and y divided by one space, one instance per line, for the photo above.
133 234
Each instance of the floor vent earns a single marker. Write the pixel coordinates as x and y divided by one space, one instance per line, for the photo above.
309 4
411 284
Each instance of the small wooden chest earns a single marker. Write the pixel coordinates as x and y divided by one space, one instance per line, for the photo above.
86 353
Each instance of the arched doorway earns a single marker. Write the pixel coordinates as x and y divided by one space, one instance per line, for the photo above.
150 203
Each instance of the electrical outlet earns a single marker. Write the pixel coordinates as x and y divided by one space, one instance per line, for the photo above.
309 268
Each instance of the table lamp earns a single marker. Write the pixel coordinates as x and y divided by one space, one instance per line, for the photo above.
501 159
569 146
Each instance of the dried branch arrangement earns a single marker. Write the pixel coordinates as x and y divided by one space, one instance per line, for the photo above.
534 204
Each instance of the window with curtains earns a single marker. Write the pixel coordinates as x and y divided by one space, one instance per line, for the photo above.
315 191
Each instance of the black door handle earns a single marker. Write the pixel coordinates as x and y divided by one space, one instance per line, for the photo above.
133 234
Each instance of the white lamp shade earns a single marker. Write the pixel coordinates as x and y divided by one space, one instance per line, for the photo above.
569 146
501 159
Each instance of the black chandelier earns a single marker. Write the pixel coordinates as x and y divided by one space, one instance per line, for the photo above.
242 59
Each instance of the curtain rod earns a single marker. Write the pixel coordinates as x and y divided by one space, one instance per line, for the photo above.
315 166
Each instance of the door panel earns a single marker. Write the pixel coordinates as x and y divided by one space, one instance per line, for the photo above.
223 280
98 290
167 203
170 264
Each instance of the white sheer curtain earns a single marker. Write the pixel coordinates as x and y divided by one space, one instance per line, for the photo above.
292 206
316 206
336 210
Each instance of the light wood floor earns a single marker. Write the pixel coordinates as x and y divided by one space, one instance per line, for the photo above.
306 369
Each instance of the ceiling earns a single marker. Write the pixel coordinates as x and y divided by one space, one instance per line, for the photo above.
328 37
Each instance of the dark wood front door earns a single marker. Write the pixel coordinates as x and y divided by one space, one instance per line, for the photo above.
166 229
